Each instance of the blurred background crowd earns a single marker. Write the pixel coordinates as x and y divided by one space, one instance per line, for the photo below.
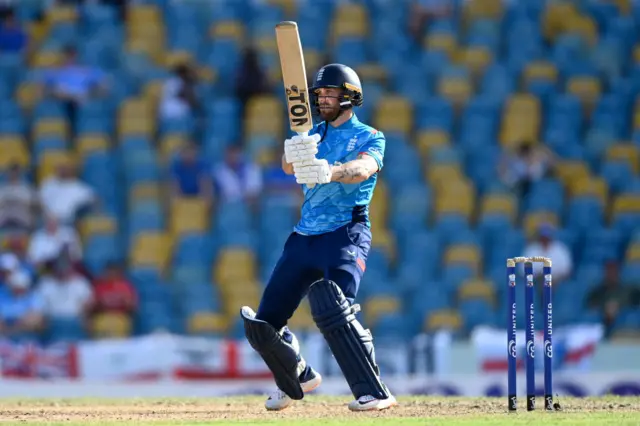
140 146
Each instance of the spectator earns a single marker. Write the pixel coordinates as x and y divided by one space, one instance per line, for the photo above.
525 166
8 264
66 197
17 248
13 38
21 310
73 84
54 239
65 293
190 175
251 80
18 201
547 246
113 292
179 99
610 297
236 178
423 11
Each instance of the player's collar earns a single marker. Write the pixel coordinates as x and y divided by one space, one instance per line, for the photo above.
347 125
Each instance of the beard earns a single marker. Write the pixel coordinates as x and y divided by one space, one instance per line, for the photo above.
329 113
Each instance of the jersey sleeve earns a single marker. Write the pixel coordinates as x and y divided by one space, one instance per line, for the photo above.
374 147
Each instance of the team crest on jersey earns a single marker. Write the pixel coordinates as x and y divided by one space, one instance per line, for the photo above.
352 144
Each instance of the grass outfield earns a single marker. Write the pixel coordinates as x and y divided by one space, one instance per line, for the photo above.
314 410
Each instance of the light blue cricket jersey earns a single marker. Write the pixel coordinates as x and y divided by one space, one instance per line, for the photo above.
328 207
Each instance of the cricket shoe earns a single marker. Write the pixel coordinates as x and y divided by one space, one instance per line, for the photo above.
371 403
279 400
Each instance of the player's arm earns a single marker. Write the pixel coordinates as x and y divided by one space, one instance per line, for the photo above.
355 171
288 168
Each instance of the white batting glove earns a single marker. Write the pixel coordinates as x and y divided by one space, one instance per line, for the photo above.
312 172
301 148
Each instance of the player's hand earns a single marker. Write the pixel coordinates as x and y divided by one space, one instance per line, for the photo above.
312 172
301 148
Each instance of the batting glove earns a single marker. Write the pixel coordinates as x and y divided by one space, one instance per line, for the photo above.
301 148
312 172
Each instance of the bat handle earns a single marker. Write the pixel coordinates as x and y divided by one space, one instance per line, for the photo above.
305 134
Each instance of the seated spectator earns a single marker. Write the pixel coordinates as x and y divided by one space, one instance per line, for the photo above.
18 201
8 264
13 38
21 310
73 84
113 292
612 296
179 99
190 175
49 243
251 80
65 294
237 178
526 165
423 11
17 246
547 246
66 197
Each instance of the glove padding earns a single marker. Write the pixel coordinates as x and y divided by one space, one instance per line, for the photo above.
301 148
312 172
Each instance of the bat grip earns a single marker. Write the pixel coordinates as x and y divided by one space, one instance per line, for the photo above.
304 135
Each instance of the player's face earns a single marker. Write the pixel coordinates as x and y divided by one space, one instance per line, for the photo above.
328 102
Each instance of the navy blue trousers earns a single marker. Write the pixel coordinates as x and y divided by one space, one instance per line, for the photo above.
339 256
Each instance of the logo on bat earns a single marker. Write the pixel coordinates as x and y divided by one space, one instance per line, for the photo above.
297 100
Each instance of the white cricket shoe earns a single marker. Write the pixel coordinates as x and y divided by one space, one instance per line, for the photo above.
370 403
279 400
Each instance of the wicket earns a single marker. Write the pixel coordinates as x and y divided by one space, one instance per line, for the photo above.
529 333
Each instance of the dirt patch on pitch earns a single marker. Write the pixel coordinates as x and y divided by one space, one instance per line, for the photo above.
203 410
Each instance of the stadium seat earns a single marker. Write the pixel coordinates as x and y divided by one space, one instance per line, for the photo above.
110 326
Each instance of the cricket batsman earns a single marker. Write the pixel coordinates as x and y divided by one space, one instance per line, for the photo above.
324 258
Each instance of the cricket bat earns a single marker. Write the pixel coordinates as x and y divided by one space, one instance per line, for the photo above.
294 77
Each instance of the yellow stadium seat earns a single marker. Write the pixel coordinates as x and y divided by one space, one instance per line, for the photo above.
555 17
206 74
171 144
454 205
264 116
571 170
636 54
591 186
111 325
350 20
50 127
540 70
624 6
476 59
587 89
583 26
145 191
370 72
378 209
237 293
88 143
205 323
142 14
151 249
446 319
627 153
177 57
37 31
227 29
46 59
60 14
137 127
455 89
234 264
395 114
97 224
313 60
14 151
477 289
377 306
521 120
28 95
467 254
302 319
386 241
440 174
482 9
152 91
462 188
189 215
442 42
152 45
532 221
626 203
500 204
135 108
429 139
289 7
633 253
51 160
